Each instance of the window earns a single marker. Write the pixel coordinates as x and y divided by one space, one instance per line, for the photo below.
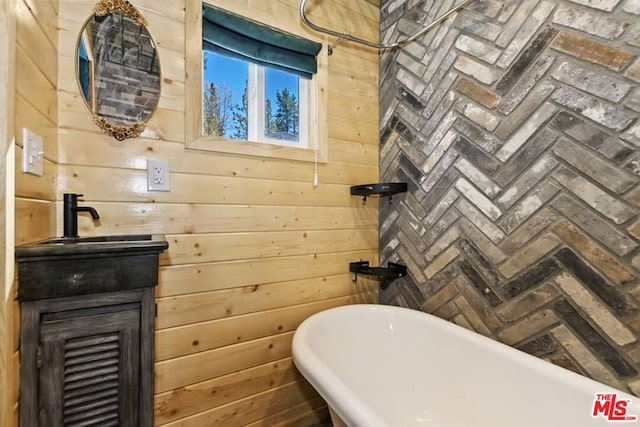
245 97
245 101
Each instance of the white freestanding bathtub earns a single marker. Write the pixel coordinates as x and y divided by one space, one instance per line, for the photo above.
379 365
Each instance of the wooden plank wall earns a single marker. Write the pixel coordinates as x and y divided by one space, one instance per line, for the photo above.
36 108
7 95
254 248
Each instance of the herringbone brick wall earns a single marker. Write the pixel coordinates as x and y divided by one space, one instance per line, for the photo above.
516 127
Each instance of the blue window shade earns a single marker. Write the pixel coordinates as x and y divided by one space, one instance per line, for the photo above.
240 38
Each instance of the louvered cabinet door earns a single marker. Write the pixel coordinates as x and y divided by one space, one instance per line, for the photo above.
89 373
87 360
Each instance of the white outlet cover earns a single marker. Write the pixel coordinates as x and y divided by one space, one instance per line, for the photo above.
32 153
158 175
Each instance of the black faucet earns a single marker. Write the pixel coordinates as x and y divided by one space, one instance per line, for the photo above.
70 214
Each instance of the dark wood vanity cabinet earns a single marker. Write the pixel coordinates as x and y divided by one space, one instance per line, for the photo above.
87 324
88 360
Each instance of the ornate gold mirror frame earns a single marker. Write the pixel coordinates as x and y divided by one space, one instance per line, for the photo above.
105 7
117 69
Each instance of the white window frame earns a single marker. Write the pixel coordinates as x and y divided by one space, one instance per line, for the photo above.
255 121
317 146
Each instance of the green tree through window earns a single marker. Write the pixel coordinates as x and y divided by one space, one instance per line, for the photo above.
218 110
286 118
241 129
234 91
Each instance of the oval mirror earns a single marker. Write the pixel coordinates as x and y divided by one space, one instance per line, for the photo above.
117 69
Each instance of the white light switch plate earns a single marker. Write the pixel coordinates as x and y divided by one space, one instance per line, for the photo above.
32 153
158 177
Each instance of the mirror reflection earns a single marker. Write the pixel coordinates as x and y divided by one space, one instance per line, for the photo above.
118 72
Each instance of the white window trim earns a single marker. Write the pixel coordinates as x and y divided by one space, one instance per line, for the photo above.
317 128
304 101
255 95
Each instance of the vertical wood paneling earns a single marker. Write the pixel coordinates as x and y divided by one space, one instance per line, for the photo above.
36 108
7 105
255 248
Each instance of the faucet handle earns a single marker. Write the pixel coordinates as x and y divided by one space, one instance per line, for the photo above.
71 199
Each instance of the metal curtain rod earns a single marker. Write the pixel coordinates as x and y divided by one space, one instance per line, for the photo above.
346 36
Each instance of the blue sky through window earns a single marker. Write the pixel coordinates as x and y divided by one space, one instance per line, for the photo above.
277 80
233 73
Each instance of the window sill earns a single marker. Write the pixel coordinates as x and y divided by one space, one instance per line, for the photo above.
258 149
